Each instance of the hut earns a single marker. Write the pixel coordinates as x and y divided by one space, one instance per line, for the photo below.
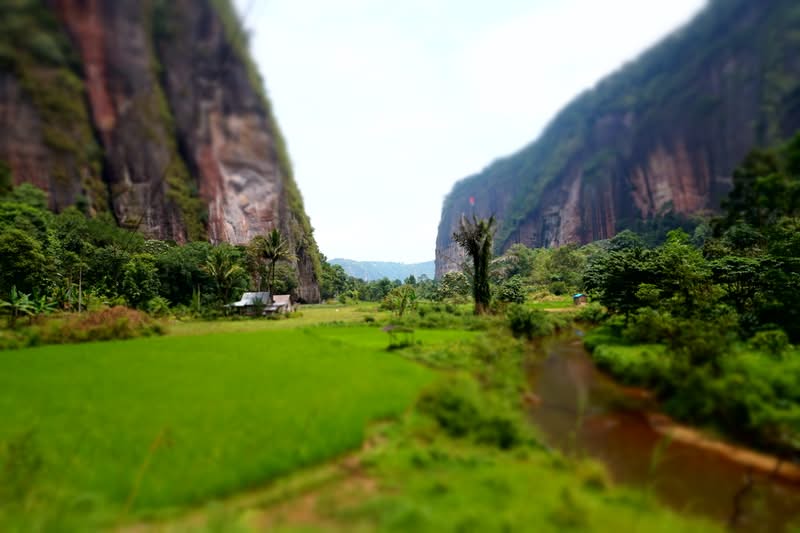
250 302
579 299
281 303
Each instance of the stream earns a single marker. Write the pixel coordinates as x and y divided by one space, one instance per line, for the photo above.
580 410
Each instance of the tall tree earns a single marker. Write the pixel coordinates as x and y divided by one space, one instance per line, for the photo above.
476 238
273 248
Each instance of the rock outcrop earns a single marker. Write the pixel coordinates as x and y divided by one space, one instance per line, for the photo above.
152 111
661 135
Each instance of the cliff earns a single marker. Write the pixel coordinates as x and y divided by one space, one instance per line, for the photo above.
663 134
154 111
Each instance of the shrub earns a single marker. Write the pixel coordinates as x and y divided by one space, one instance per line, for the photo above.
108 324
559 288
593 313
512 291
772 341
528 322
158 306
458 406
453 403
649 326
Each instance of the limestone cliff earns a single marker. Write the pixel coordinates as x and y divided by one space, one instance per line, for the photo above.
663 134
152 110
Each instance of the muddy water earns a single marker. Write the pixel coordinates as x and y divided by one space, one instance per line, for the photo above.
582 411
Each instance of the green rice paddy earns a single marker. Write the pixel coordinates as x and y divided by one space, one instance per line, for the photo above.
153 423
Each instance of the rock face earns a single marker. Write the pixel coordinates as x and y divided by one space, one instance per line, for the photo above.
661 135
163 122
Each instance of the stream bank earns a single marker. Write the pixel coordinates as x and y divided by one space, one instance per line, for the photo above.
584 412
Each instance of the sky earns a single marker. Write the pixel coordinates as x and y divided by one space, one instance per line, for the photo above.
386 104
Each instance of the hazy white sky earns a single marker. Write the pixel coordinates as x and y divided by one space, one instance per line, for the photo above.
386 104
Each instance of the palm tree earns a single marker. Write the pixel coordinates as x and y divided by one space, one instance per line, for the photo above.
475 237
274 249
223 267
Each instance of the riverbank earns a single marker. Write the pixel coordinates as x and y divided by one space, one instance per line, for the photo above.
748 395
583 411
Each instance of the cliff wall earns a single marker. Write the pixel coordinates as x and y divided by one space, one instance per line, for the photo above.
663 134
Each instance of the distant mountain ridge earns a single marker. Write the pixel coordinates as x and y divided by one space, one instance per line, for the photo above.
372 270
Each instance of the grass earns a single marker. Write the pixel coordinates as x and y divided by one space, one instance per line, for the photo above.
173 421
116 432
442 484
308 315
557 302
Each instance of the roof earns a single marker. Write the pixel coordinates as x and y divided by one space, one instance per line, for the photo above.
282 299
579 295
252 298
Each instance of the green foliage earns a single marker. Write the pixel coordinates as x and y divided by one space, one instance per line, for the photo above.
454 286
512 290
527 322
592 313
285 281
772 341
224 269
334 280
766 187
264 252
27 195
400 299
140 282
458 407
23 217
18 304
158 306
23 263
180 272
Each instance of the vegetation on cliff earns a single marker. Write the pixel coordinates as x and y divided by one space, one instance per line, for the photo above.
37 53
704 87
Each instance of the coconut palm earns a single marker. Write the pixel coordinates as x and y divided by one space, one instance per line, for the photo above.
274 248
224 269
476 238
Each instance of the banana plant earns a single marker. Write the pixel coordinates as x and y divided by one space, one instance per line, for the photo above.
19 304
42 306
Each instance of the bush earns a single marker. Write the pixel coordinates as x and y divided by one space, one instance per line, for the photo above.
527 322
593 313
559 288
158 306
108 324
649 326
458 406
454 405
773 341
512 291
